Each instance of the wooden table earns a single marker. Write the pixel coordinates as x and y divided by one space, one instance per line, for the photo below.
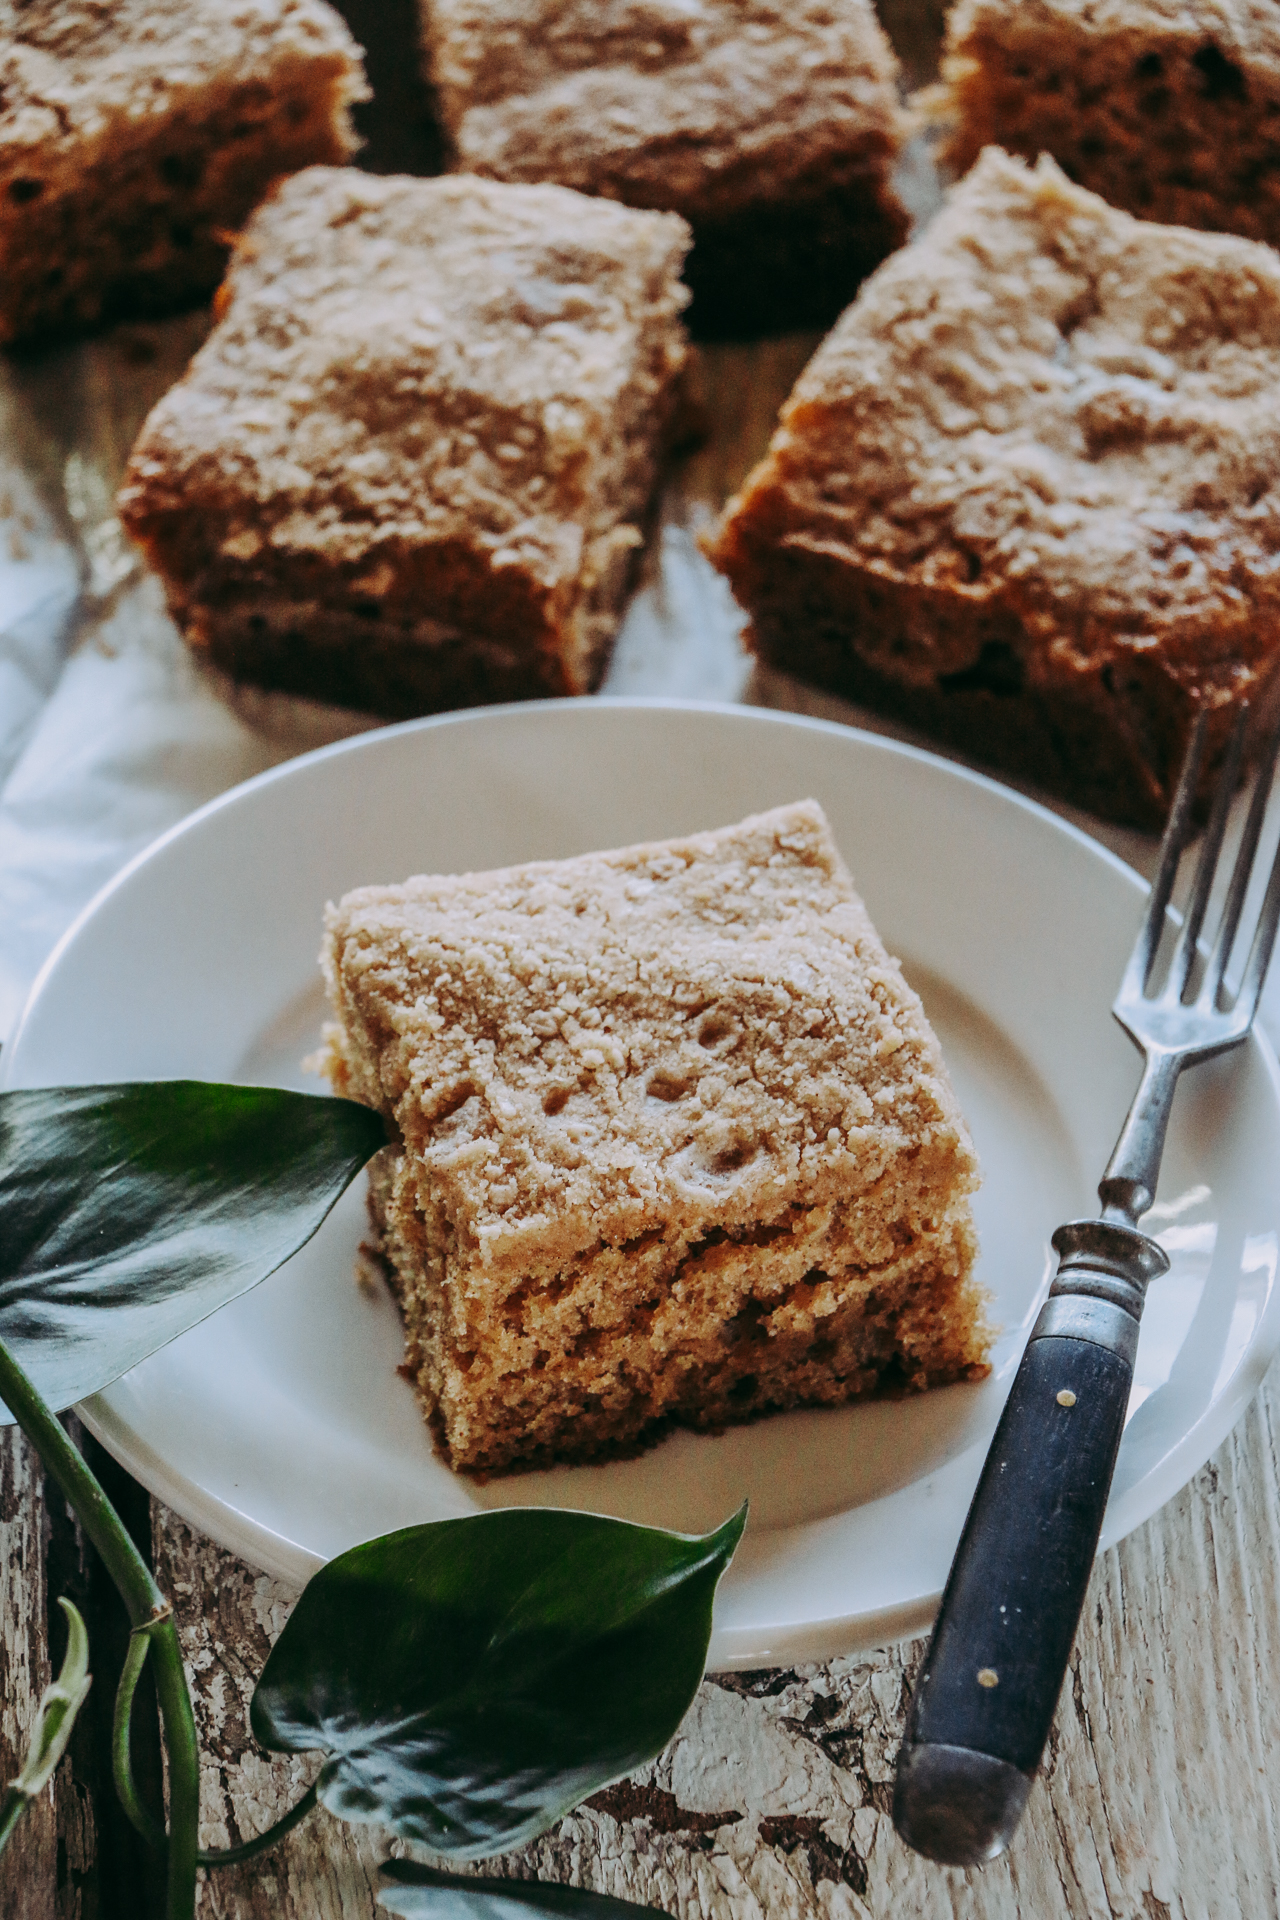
1160 1794
1158 1801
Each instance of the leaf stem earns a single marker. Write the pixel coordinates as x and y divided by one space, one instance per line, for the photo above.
151 1829
12 1809
147 1608
183 1750
131 1800
97 1516
232 1856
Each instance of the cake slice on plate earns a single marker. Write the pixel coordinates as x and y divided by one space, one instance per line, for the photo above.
676 1143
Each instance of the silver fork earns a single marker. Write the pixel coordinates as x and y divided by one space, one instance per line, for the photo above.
990 1681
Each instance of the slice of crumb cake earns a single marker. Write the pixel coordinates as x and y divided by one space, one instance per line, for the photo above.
678 1144
412 467
774 131
1026 495
137 136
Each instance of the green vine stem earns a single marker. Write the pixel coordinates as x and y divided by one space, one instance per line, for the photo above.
261 1842
183 1750
12 1808
151 1829
131 1800
147 1608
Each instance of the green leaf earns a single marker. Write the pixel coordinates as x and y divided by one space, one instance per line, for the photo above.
474 1679
454 1896
58 1708
129 1213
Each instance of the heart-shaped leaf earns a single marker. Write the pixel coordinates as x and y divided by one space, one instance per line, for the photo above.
426 1892
129 1213
474 1679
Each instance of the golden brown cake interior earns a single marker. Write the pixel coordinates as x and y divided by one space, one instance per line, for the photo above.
1168 108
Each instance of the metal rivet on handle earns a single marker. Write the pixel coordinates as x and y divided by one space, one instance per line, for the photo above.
1066 1398
988 1677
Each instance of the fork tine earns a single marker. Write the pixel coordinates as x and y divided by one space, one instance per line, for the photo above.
1224 940
1176 832
1255 971
1184 954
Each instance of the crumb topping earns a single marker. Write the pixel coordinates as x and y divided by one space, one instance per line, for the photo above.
694 1030
681 103
70 68
1048 402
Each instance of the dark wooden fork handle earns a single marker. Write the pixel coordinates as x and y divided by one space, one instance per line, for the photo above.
991 1678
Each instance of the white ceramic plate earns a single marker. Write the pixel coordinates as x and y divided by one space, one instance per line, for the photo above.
281 1427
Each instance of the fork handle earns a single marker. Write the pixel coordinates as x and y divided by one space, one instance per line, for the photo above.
990 1681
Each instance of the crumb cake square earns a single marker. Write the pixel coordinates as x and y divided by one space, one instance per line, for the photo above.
773 130
410 467
676 1143
1169 108
136 136
1026 496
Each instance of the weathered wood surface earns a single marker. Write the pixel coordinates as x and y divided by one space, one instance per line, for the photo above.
1159 1800
229 1616
72 1857
31 1862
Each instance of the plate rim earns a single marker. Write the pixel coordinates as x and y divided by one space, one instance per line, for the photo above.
808 1640
464 716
